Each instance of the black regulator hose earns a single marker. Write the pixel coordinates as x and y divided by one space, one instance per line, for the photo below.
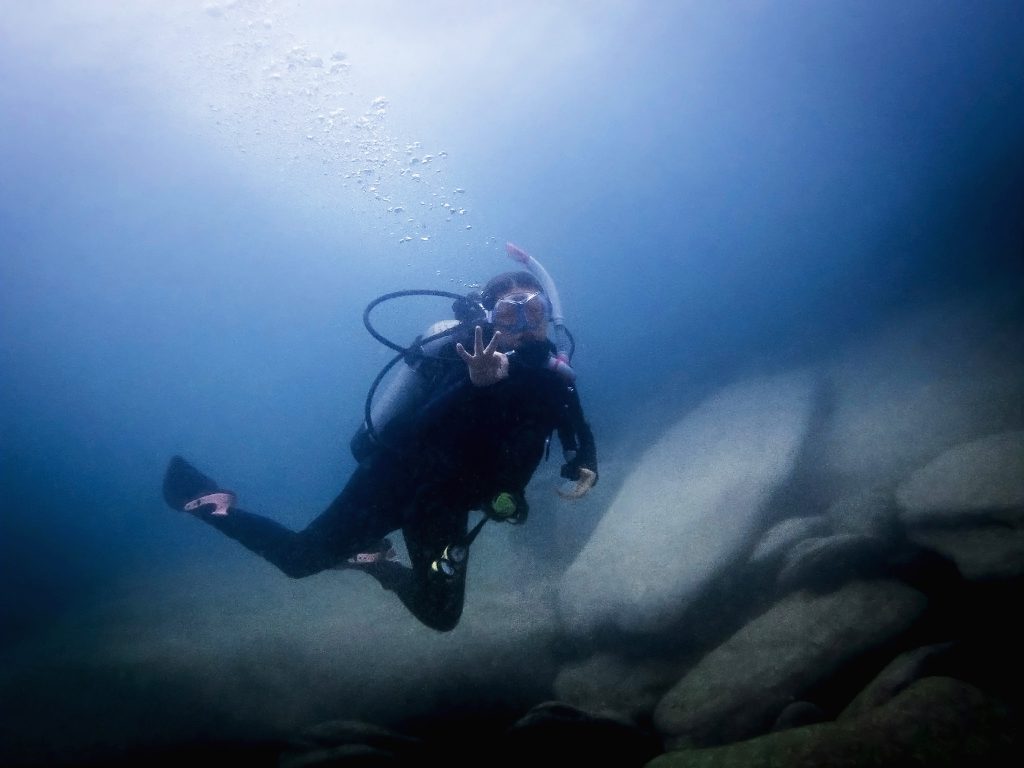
402 351
572 342
397 295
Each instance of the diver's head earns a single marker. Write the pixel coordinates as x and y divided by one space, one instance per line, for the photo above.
517 306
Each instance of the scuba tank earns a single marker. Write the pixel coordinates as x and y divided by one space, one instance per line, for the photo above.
411 386
407 390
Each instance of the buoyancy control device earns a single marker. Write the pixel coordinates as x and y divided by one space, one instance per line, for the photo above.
411 386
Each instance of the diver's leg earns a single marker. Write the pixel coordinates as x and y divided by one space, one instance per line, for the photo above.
368 508
432 597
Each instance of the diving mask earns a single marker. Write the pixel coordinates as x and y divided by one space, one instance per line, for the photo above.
519 312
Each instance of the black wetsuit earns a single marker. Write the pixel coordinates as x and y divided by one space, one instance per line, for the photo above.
464 447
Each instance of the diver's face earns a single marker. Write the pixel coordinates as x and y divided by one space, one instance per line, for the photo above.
521 315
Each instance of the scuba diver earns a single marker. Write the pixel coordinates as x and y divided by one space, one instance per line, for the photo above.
463 427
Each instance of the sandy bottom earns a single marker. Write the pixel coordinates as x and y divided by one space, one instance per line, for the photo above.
233 651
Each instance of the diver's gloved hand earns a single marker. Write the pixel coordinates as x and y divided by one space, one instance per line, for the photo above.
584 479
508 507
486 366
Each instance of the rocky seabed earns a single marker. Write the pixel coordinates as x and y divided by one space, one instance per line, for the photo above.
819 567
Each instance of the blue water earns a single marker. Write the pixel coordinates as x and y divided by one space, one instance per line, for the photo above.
187 241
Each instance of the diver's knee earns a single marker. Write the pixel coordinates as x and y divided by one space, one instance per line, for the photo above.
444 622
298 570
441 610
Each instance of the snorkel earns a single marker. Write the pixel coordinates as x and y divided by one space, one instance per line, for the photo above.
559 363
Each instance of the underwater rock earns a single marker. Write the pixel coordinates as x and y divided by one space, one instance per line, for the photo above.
870 511
937 722
898 675
608 684
782 536
983 476
344 756
689 507
553 732
981 552
349 743
829 561
799 714
738 690
930 381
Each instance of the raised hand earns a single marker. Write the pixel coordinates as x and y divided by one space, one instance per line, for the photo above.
486 366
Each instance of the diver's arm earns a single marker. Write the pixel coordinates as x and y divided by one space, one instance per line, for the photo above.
579 448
